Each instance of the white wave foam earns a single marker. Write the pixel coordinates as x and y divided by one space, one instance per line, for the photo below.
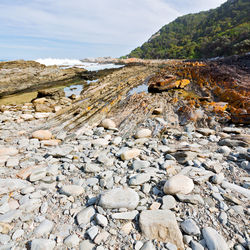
59 62
67 63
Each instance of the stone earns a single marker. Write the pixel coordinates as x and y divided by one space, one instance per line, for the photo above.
196 246
161 225
72 190
4 239
206 131
40 100
168 202
27 117
101 237
42 135
139 179
148 245
8 151
125 215
101 220
71 241
119 198
225 150
100 142
9 185
41 115
52 142
127 228
12 162
17 234
5 228
26 172
214 240
193 199
37 174
86 245
218 178
10 216
231 130
92 232
157 111
138 164
42 244
44 108
130 154
236 188
223 218
143 133
170 246
44 228
155 206
85 215
232 143
178 184
108 124
190 227
184 156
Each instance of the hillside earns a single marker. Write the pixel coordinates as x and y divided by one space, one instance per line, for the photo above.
222 31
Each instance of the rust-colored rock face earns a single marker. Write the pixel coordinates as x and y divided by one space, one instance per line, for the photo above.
221 89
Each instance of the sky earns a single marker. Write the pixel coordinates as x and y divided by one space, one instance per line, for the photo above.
31 29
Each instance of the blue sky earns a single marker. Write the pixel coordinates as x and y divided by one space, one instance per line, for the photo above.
32 29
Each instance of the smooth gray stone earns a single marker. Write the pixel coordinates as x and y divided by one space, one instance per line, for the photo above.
196 246
119 198
214 240
85 215
72 190
189 226
148 246
44 228
168 202
139 179
86 245
101 220
42 244
125 215
71 241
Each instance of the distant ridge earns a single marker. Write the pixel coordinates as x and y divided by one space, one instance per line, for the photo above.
223 31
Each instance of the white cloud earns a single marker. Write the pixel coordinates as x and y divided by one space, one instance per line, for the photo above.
117 22
94 21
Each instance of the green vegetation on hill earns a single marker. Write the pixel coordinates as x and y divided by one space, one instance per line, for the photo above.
222 31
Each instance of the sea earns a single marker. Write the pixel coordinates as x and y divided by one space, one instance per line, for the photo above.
67 63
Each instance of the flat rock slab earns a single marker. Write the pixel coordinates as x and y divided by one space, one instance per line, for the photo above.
161 225
119 198
10 185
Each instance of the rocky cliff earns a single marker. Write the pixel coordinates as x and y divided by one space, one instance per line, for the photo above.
16 76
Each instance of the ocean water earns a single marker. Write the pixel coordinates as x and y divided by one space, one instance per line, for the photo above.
67 63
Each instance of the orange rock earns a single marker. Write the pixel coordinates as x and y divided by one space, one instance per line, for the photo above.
155 206
53 142
26 172
42 134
